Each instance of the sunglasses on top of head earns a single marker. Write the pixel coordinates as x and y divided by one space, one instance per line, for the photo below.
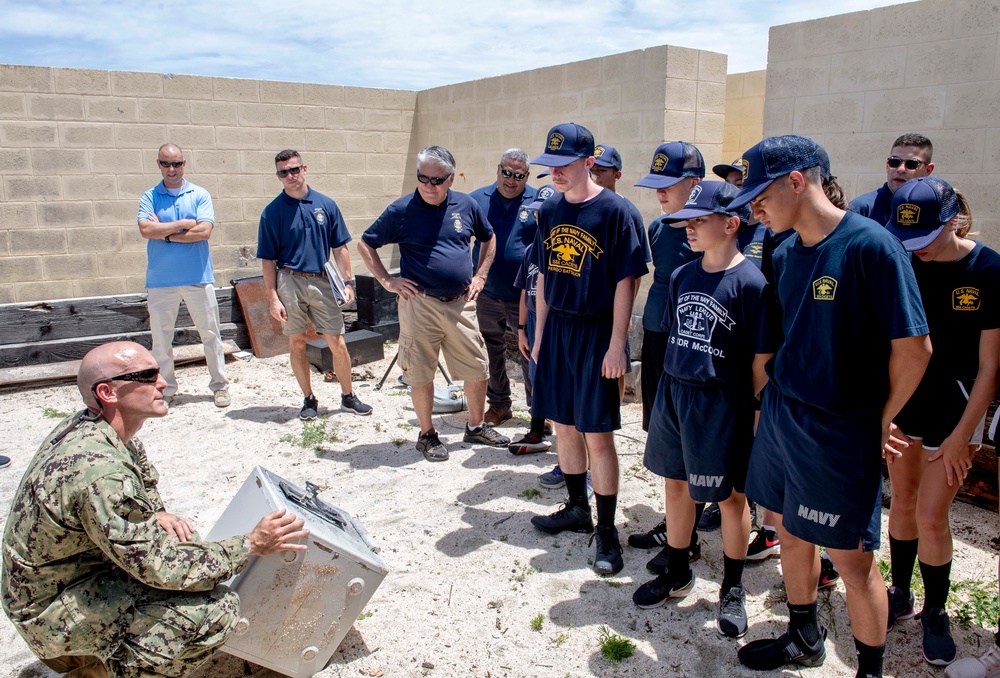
433 181
294 171
910 163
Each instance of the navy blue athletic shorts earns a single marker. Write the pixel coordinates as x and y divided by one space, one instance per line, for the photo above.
701 433
934 410
568 387
821 472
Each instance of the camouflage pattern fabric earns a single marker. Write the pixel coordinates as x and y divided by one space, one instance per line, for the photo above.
87 569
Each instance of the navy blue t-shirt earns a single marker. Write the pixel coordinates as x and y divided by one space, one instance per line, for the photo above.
842 302
527 277
514 226
876 205
670 250
717 323
584 250
299 234
640 229
433 240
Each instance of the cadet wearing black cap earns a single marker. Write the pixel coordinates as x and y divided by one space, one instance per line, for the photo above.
588 258
854 348
731 174
909 158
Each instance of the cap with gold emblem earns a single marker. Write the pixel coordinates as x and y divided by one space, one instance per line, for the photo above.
920 209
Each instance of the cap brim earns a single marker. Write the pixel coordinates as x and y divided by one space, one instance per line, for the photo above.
684 215
914 240
606 163
724 170
542 175
657 181
747 194
551 160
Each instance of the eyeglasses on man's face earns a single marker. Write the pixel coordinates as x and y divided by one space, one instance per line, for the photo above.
294 171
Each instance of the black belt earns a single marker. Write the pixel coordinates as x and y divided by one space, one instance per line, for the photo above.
446 300
304 275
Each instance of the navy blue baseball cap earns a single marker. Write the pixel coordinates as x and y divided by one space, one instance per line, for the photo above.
607 156
566 143
709 197
544 193
723 170
672 162
920 209
775 157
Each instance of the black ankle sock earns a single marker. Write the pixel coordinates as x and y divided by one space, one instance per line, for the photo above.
607 504
902 555
936 584
576 487
537 426
802 620
732 572
869 659
677 561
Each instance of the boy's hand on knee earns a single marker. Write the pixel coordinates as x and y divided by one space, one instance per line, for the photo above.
277 532
894 441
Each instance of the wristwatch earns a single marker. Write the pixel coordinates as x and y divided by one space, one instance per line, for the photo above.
522 327
166 238
350 282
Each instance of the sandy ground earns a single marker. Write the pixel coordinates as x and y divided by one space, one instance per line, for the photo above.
468 573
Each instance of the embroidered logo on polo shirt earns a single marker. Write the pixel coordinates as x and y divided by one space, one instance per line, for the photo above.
965 299
746 167
824 289
556 141
695 192
568 248
908 214
523 214
659 162
697 316
320 216
456 221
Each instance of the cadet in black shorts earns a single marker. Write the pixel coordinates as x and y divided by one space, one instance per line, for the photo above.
941 426
588 257
854 347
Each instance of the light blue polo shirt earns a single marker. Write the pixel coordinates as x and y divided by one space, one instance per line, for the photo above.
172 264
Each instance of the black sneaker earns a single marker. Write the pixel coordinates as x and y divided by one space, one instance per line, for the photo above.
309 408
711 518
351 403
485 435
939 648
731 618
656 592
431 447
900 606
571 518
531 443
769 654
608 558
765 543
656 537
4 461
658 564
828 575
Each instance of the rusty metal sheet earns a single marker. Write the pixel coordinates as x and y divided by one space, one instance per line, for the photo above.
266 338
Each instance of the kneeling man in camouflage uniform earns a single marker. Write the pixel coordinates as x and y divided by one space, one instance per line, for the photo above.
98 578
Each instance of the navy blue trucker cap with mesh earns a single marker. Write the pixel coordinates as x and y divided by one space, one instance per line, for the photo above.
920 209
566 143
775 157
607 156
544 193
672 162
709 197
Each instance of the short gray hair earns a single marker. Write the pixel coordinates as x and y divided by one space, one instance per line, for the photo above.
438 154
517 155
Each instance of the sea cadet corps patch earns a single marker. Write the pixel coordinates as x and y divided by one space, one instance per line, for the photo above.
556 141
568 246
660 161
965 299
746 167
908 214
320 216
824 288
698 314
456 221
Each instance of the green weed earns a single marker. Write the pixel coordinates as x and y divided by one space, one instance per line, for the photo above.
536 622
530 493
614 647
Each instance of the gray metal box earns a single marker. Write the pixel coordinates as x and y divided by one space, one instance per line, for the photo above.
296 607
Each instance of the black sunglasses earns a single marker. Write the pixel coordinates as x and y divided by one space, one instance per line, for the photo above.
910 163
507 174
167 163
294 171
433 181
146 376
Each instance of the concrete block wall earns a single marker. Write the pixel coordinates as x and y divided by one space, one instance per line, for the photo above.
857 81
78 148
632 101
744 119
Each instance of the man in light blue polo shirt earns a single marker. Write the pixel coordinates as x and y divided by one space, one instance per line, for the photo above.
176 219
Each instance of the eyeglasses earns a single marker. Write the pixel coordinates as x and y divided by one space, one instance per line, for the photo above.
518 176
146 376
175 164
910 163
294 171
433 181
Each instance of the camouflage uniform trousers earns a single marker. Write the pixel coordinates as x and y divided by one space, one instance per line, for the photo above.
169 633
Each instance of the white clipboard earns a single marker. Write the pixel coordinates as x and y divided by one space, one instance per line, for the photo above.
336 282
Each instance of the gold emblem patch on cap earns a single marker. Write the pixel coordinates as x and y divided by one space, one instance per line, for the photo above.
746 167
599 151
556 141
659 162
907 214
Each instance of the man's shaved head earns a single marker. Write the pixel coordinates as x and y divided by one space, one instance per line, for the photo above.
107 360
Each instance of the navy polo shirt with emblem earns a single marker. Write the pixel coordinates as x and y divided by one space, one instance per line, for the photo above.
434 240
514 227
876 205
670 250
299 233
841 303
584 250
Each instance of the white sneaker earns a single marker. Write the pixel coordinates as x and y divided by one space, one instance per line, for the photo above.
221 397
987 666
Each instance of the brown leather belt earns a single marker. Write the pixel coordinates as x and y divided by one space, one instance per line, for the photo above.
303 275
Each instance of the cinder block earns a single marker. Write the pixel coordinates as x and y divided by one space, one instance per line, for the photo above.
598 100
623 127
919 23
8 294
734 86
257 162
712 66
303 116
708 129
711 97
779 116
17 268
131 186
579 75
363 97
991 150
94 239
401 99
681 95
853 152
383 120
323 95
164 110
87 134
484 138
241 185
828 113
231 209
619 68
971 105
682 62
40 291
132 240
59 161
976 17
345 118
187 87
99 287
214 162
754 83
28 134
122 264
366 142
118 162
873 69
678 125
281 92
210 182
213 112
109 212
393 186
746 112
55 107
324 140
26 78
731 142
237 233
107 109
406 121
140 136
12 105
802 77
191 136
952 61
384 163
259 115
644 94
832 35
38 241
239 138
911 108
15 215
66 214
236 89
88 187
540 81
15 161
81 81
29 189
132 84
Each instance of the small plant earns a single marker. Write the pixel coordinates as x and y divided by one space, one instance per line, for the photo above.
288 438
530 493
614 647
314 434
405 425
398 442
53 413
559 639
378 427
520 572
536 623
614 583
365 615
974 602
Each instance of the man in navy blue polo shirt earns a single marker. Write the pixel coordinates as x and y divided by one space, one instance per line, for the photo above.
909 158
437 291
506 204
297 231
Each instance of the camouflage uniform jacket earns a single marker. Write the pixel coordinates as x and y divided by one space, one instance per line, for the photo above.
82 543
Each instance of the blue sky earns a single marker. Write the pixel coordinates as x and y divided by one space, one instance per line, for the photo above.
389 43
